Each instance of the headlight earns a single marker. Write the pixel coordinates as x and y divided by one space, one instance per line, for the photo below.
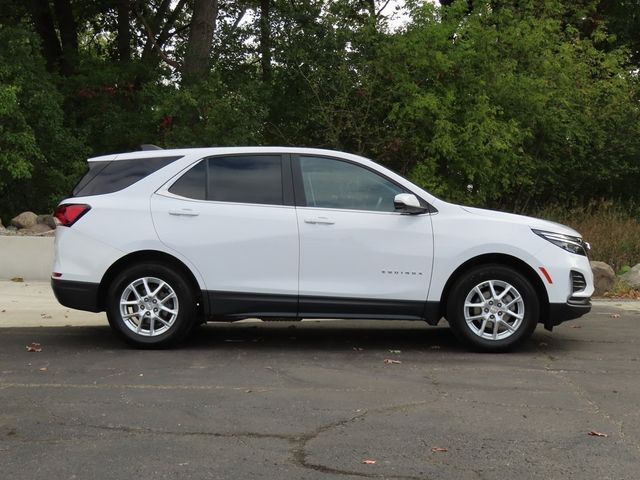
566 242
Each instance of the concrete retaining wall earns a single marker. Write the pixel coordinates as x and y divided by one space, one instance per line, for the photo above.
28 257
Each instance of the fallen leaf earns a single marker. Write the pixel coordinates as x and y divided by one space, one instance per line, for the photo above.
593 433
34 347
43 369
435 347
389 361
542 344
358 349
17 279
576 326
615 315
369 462
439 449
395 351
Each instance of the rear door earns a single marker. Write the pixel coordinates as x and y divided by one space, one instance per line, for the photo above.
234 218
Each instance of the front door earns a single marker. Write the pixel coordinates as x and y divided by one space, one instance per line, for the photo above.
358 256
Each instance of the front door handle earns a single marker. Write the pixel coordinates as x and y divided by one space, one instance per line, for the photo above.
319 221
184 212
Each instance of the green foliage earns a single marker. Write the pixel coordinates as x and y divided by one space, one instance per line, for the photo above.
40 157
532 103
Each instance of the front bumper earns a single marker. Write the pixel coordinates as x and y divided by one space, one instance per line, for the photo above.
77 295
559 312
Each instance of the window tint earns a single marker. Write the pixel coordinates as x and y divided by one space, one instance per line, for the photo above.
335 184
246 179
109 177
193 183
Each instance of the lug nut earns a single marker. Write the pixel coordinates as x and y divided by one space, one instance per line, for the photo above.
490 303
499 313
486 310
147 313
155 301
499 304
141 307
155 309
492 317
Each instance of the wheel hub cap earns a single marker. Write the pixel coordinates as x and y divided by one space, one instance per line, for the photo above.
149 306
494 310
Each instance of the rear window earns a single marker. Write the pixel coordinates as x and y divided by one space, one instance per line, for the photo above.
239 179
111 176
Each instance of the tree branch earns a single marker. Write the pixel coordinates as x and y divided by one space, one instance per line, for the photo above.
152 39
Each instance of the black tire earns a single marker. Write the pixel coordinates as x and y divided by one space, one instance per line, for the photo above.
475 277
179 326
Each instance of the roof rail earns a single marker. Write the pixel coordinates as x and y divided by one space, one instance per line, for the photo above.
149 146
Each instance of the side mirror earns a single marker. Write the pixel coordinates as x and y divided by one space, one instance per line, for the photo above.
408 203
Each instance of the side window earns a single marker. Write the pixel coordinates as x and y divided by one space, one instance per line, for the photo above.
192 184
332 183
246 179
115 175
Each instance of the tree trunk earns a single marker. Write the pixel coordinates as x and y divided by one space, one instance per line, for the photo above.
265 40
197 56
46 30
124 18
68 34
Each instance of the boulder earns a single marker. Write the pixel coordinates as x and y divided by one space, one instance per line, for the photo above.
632 277
25 220
604 278
37 229
48 220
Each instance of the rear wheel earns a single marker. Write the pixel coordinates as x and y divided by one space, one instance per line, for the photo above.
493 308
151 305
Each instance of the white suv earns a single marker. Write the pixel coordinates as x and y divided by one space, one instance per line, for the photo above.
166 239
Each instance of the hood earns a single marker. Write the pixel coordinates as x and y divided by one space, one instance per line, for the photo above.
532 222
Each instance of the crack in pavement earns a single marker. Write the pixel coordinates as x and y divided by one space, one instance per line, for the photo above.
299 443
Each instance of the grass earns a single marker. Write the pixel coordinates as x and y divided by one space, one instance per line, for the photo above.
612 229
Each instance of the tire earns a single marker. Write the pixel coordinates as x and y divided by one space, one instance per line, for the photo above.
159 305
504 317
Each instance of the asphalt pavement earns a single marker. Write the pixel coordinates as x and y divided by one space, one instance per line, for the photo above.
315 400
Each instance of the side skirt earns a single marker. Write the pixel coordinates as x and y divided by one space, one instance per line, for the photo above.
238 305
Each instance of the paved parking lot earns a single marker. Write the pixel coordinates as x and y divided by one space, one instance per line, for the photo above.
314 400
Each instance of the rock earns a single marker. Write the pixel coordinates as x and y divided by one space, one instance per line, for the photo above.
604 278
632 277
37 229
25 220
1 225
48 220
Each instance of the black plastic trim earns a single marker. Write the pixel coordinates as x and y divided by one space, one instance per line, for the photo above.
561 312
237 305
76 295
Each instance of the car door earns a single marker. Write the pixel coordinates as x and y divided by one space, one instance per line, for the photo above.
233 217
358 256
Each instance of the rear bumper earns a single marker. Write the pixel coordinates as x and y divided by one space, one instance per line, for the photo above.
77 295
560 312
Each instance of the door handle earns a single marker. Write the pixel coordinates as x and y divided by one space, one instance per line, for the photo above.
185 212
319 221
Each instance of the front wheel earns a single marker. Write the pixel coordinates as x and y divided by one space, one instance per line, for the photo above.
493 308
151 305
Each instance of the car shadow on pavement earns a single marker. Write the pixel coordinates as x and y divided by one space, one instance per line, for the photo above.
324 336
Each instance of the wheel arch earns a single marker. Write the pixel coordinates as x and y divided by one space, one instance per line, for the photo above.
500 259
150 256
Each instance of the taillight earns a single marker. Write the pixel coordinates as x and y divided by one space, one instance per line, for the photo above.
70 213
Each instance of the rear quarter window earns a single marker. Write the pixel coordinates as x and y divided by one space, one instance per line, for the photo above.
115 175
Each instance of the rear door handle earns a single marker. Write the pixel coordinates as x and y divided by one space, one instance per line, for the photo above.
319 221
184 212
